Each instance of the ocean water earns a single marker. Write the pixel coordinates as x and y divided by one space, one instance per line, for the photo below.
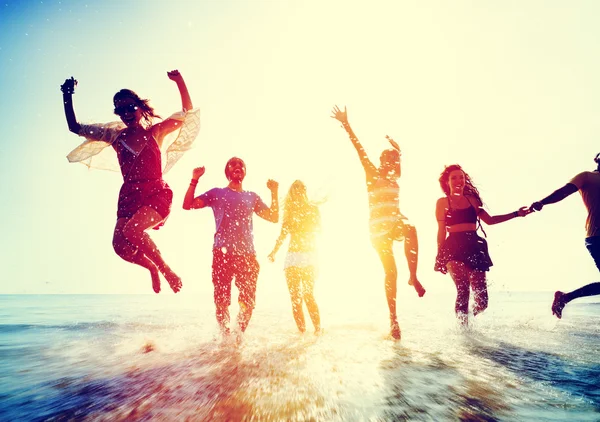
160 357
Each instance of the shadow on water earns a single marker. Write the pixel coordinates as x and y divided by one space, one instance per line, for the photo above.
574 378
218 381
427 387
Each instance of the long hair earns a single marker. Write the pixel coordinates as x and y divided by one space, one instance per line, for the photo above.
143 104
469 189
299 214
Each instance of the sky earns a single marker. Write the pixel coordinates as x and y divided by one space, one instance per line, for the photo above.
509 90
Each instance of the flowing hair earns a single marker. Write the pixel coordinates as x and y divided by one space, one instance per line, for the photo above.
469 189
143 104
299 214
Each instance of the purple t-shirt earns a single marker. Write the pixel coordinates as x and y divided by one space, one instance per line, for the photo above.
233 218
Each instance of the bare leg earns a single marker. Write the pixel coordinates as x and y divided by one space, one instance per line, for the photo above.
308 281
293 278
223 318
480 293
132 254
244 316
460 275
135 232
411 251
391 275
561 299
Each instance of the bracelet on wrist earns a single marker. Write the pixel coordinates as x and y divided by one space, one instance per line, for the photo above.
194 182
515 213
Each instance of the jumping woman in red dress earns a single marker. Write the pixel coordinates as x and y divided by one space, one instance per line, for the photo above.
145 198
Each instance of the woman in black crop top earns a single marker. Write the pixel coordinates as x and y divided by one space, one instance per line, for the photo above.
463 252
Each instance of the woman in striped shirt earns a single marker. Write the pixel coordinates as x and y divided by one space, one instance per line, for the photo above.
386 223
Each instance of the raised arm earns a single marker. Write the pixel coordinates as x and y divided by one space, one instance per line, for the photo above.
342 116
271 214
556 196
282 235
169 125
68 88
189 202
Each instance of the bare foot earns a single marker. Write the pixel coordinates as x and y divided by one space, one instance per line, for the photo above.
173 279
463 319
417 285
395 330
155 281
558 304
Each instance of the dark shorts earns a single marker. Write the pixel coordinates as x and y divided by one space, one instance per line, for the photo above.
466 247
593 246
244 268
155 194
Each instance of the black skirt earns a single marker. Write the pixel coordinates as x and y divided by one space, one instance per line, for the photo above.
466 247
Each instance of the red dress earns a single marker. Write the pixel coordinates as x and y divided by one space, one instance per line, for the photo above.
143 184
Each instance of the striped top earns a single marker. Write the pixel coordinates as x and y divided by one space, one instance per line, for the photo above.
384 209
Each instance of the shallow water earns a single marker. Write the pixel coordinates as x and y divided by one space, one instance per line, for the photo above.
103 357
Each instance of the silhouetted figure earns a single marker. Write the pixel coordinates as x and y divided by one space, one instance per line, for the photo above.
234 255
145 198
386 223
301 221
588 183
461 251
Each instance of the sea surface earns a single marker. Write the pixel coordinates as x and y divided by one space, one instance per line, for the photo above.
161 357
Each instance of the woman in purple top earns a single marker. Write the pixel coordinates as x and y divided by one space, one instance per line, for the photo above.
234 255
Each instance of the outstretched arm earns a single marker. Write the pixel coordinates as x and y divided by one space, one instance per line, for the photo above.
189 202
495 219
342 116
68 88
282 235
271 214
169 125
556 196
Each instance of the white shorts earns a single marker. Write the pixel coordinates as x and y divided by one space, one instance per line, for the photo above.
300 259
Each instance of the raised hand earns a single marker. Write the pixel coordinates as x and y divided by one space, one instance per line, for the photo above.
198 172
174 75
69 86
394 143
340 115
272 185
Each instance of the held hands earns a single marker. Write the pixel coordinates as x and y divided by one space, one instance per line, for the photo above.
340 115
174 75
198 172
536 206
272 185
523 211
69 86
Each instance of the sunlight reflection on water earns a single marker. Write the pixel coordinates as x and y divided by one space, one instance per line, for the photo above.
173 365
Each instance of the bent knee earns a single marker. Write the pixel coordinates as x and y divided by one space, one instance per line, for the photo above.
123 248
